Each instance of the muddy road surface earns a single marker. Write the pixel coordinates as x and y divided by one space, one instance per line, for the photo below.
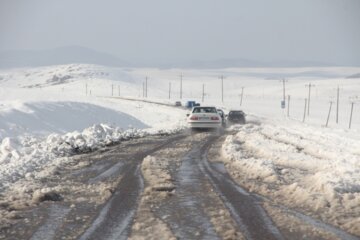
159 187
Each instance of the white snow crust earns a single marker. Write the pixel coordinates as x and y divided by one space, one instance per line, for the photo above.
307 168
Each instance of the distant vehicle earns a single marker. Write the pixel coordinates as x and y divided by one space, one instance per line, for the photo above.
222 115
204 117
178 103
236 117
190 104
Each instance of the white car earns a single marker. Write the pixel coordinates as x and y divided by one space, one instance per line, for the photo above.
204 117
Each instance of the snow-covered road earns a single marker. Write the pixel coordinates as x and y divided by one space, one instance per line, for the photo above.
161 187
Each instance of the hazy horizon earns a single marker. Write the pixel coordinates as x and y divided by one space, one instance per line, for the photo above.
161 32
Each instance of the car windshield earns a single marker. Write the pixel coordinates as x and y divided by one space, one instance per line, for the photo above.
204 110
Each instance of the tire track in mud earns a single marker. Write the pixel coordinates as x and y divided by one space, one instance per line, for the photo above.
100 192
48 230
186 214
116 217
245 208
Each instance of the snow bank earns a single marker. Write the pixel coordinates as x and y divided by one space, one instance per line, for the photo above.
44 117
22 157
311 168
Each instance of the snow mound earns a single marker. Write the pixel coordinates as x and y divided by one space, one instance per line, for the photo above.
24 156
42 118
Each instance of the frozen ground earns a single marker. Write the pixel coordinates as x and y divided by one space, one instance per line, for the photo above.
50 113
304 168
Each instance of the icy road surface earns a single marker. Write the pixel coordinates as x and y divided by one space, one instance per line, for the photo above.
161 187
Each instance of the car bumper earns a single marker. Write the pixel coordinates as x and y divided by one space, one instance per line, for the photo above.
204 124
236 122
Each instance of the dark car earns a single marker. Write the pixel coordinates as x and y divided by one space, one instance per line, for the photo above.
236 117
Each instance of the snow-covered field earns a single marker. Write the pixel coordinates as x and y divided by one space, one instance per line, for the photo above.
308 168
43 118
49 113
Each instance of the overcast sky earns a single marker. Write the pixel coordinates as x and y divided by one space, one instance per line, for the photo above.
160 31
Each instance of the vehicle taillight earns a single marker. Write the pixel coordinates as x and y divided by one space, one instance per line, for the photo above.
214 118
194 118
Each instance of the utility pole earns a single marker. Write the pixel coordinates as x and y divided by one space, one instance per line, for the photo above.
305 110
283 82
309 86
283 104
146 86
169 90
203 92
288 106
143 89
242 94
351 113
181 78
337 104
112 90
222 88
327 120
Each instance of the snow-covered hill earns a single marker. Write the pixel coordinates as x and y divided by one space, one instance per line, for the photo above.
57 56
49 113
